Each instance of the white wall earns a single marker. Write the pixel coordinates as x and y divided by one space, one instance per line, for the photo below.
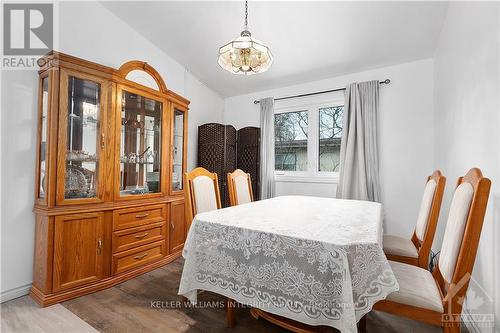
467 126
406 135
87 30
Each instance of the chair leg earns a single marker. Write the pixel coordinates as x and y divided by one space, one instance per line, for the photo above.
230 313
362 324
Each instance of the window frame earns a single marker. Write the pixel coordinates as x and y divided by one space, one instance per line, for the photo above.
312 106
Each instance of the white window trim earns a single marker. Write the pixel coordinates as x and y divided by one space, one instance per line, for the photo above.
312 175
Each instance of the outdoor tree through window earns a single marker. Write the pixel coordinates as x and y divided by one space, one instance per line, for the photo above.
330 133
290 130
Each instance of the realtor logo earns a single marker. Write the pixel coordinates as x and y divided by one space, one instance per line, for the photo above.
28 29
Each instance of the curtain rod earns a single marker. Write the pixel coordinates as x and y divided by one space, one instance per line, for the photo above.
386 81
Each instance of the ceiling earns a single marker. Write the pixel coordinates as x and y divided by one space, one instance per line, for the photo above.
309 40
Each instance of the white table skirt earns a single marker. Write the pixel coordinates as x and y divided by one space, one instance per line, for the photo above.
314 260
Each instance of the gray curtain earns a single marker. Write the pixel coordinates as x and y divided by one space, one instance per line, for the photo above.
359 174
267 148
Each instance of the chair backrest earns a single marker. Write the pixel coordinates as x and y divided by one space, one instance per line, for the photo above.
461 238
202 192
428 216
240 187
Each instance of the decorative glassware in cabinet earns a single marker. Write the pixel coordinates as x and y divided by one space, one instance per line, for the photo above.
140 149
82 146
178 150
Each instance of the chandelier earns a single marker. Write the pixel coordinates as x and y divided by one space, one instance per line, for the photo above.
245 55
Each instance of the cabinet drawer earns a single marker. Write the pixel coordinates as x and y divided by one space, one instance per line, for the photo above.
133 237
138 216
139 256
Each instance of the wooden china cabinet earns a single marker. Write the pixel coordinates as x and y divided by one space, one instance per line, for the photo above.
109 202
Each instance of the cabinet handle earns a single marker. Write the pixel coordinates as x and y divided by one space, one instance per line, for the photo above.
102 140
141 236
141 256
99 246
142 215
172 225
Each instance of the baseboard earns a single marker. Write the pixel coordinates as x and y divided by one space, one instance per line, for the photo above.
15 293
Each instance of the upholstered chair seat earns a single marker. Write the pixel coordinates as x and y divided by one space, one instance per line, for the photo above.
415 251
399 246
417 287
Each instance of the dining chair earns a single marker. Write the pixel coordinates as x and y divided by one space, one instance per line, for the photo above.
436 298
240 187
415 251
202 192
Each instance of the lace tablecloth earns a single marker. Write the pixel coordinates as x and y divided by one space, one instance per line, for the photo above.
314 260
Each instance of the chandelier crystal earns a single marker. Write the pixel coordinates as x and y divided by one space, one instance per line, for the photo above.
245 55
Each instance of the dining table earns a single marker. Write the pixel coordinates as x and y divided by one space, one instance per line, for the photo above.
314 260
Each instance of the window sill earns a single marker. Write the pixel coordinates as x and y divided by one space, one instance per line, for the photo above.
319 179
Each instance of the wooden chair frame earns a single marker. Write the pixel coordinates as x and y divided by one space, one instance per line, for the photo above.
233 196
452 292
188 187
424 246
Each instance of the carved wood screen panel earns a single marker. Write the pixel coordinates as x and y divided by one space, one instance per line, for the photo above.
222 149
248 156
217 153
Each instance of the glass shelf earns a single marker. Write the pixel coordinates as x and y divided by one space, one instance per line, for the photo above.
86 160
80 156
145 130
140 138
82 143
142 163
135 191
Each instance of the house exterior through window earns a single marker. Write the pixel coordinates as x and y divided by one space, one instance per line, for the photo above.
307 141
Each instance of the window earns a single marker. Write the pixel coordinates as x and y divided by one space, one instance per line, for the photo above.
330 133
307 141
290 141
286 161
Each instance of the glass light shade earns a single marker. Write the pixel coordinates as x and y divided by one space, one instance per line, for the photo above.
245 55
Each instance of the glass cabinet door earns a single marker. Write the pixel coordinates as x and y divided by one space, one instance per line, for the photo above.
42 148
178 149
83 139
140 145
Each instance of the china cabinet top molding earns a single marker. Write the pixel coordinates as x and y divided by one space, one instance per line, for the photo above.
143 66
58 59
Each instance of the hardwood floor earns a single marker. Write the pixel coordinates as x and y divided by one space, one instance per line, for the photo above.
144 304
148 304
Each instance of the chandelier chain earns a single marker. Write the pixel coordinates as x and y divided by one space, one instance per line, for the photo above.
246 14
